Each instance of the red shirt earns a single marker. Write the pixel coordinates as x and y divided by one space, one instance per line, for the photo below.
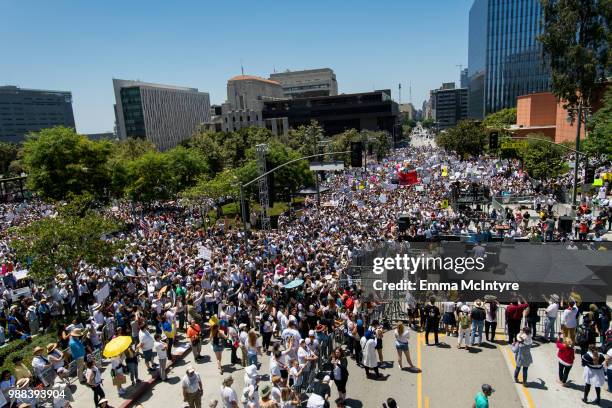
565 353
515 312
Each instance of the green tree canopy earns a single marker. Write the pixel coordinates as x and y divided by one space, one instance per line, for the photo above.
186 165
8 153
501 119
599 140
543 160
465 139
59 244
206 143
576 40
59 161
149 178
428 123
304 139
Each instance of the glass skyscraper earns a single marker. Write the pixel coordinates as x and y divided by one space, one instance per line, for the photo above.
505 58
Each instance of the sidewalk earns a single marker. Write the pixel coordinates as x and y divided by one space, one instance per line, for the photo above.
83 396
543 390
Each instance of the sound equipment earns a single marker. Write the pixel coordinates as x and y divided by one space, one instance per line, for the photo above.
403 222
356 154
565 224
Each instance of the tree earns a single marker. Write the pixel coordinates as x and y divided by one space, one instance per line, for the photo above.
502 119
205 142
8 153
59 161
467 138
149 178
542 160
131 148
428 123
186 166
409 122
224 184
304 139
60 244
576 41
599 140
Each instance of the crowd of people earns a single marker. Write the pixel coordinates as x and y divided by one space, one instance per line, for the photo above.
282 294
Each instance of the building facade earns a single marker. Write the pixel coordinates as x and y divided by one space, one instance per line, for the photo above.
449 105
29 110
505 59
370 110
246 95
163 114
407 110
464 78
307 83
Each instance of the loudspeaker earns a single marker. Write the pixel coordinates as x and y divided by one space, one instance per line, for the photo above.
356 154
565 224
403 222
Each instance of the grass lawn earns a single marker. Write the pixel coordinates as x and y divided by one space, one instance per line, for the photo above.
232 209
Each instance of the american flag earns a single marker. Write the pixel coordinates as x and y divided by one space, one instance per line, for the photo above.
144 227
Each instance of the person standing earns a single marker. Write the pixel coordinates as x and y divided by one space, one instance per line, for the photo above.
193 334
146 343
569 321
94 380
514 315
478 316
370 357
402 337
340 372
191 384
161 349
522 353
565 355
228 395
551 316
432 320
482 398
131 359
217 339
491 307
77 350
593 372
463 326
448 318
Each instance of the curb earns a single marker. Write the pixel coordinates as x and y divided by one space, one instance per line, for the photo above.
147 385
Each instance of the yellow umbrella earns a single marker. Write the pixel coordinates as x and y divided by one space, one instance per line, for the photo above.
213 321
117 346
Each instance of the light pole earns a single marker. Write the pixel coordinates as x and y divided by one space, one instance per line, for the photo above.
580 109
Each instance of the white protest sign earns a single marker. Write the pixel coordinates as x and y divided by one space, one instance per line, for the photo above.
103 293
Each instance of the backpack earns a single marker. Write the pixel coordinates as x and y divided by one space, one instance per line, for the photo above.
464 321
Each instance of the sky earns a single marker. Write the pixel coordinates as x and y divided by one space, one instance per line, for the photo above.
79 46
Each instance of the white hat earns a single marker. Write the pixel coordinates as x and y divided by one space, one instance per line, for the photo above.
465 309
251 370
326 379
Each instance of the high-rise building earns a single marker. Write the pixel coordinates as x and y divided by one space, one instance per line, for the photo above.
505 59
449 105
307 83
407 110
29 110
163 114
464 78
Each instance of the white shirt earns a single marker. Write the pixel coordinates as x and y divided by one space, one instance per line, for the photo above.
552 309
146 340
569 318
159 348
228 396
191 384
402 338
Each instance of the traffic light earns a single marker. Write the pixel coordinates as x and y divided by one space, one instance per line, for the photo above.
589 175
493 140
356 154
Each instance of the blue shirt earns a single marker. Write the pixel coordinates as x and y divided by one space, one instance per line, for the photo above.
76 348
482 401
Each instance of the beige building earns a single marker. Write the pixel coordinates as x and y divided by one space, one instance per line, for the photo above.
307 83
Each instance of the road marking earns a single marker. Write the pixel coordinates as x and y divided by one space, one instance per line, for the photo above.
420 374
426 401
526 392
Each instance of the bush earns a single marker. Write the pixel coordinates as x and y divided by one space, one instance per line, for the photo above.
24 349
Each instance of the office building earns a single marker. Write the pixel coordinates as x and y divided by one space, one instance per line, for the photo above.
407 111
307 83
426 110
505 59
163 114
369 110
464 78
29 110
101 136
449 105
246 95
